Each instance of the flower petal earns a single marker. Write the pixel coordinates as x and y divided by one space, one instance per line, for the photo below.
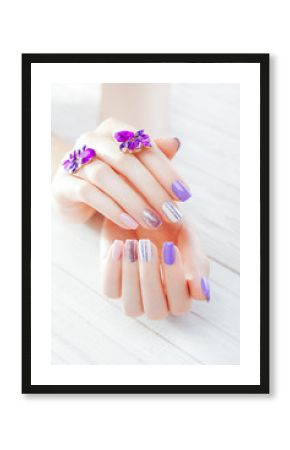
124 135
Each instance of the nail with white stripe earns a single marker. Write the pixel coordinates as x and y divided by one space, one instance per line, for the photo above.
171 211
145 252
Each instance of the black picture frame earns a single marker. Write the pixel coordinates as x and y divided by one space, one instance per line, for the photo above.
263 60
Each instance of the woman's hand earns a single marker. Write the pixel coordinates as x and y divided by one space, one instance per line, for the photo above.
154 272
129 189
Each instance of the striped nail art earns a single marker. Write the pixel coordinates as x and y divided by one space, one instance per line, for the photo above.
171 211
131 250
145 250
151 218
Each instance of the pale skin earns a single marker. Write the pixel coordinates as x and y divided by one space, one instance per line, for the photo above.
121 187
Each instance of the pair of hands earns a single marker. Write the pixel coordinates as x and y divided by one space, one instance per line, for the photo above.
138 195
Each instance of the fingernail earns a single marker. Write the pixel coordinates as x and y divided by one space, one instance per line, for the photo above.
178 143
151 218
168 252
171 212
180 191
117 250
145 250
205 288
128 221
131 251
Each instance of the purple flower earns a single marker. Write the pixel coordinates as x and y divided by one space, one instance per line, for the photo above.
132 142
77 158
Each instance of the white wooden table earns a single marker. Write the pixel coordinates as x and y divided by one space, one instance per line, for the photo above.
89 329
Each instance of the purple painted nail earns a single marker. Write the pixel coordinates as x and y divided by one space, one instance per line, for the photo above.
180 191
168 252
205 288
131 250
151 218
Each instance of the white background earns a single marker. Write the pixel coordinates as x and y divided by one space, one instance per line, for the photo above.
221 422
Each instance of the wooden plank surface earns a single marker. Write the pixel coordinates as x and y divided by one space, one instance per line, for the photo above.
88 329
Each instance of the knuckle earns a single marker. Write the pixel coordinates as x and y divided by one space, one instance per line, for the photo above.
81 190
107 126
98 171
126 163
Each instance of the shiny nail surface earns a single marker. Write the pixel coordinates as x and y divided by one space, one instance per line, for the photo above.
205 288
171 211
151 218
168 252
128 221
117 250
145 250
131 250
181 192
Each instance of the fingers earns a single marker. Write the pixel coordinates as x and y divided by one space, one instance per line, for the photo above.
116 187
168 177
141 287
156 191
195 262
84 192
148 186
131 294
177 293
154 300
132 272
111 276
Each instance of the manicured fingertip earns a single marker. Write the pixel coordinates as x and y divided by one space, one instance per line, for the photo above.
180 190
171 211
117 250
168 146
128 221
131 250
199 288
168 253
204 284
145 250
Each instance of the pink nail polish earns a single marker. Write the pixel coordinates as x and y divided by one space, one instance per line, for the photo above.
128 221
117 250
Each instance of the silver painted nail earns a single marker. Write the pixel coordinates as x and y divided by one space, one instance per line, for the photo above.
151 218
171 211
131 250
145 250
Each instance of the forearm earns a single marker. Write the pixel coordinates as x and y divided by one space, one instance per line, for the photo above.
143 105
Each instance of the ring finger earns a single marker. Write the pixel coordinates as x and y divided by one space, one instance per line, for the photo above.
105 178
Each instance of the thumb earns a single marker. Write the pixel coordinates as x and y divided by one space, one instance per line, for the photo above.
168 146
